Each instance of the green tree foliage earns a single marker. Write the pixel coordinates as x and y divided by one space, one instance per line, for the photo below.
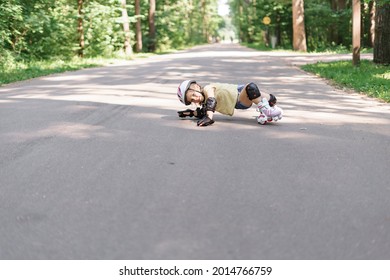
39 29
185 22
42 29
327 23
248 19
10 19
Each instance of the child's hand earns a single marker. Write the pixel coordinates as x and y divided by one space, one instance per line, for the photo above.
205 121
186 113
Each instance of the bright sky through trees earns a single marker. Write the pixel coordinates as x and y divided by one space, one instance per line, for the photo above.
223 8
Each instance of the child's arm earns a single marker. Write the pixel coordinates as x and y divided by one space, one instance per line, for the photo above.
211 103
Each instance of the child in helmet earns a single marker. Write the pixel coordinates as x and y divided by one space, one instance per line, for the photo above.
224 98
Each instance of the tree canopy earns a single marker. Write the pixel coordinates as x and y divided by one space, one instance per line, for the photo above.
64 28
47 28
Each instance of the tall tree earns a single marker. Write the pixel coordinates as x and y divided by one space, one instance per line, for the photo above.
371 6
356 36
204 19
299 34
126 28
336 31
138 31
382 33
152 27
80 27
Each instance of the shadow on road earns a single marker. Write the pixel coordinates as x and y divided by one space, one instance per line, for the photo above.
95 164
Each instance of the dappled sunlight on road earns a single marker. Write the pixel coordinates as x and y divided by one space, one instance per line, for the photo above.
67 130
149 86
148 95
108 142
332 118
7 101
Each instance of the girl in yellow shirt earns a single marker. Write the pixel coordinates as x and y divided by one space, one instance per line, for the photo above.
224 98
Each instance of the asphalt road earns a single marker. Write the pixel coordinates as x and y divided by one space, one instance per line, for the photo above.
95 164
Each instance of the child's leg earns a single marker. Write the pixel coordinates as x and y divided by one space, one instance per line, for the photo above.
249 94
244 100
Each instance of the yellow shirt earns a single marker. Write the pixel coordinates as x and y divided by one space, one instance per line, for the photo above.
226 96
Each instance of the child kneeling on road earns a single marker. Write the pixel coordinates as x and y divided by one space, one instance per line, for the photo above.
224 98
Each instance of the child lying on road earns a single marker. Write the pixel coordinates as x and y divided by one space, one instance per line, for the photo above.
224 98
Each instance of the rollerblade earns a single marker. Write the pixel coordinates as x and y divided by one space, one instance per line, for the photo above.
268 113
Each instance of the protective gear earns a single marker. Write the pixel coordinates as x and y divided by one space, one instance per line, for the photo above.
272 100
262 119
268 113
182 89
200 113
264 107
186 113
205 121
277 113
211 103
252 91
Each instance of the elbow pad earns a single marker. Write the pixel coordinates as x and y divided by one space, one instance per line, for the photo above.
211 103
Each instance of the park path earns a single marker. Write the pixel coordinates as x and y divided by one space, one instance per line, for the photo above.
95 164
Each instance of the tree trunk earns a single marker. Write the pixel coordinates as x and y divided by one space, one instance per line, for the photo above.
356 27
204 20
80 28
382 34
126 28
333 28
138 32
299 33
152 27
341 6
372 22
240 13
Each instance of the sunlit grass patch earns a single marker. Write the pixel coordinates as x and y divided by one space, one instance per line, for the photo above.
368 78
22 70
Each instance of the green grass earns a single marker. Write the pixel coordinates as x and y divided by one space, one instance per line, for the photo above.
368 78
20 71
24 70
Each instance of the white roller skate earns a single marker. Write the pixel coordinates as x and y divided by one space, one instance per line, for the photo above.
268 113
278 117
262 119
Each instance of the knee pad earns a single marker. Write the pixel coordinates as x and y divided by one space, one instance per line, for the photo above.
252 91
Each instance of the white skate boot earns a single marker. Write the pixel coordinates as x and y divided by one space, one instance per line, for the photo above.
268 113
277 114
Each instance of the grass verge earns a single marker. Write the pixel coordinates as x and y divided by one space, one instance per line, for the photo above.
368 78
20 71
24 70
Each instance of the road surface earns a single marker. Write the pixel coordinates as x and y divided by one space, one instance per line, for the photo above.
95 164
